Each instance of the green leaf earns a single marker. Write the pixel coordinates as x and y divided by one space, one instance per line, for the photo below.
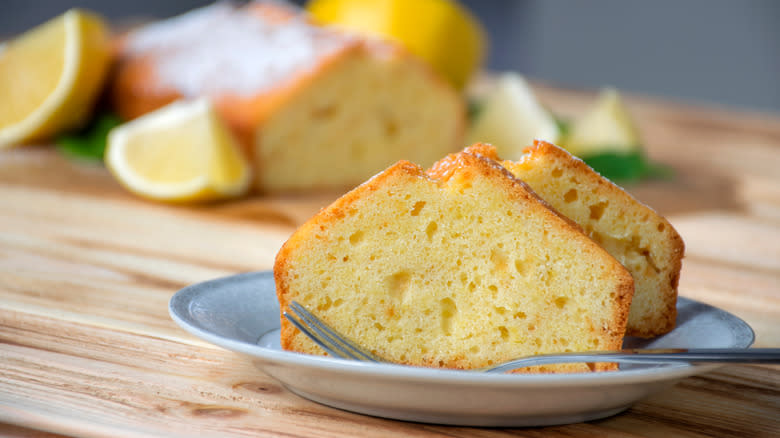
474 107
564 126
90 143
626 167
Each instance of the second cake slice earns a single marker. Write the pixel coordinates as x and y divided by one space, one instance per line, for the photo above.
641 239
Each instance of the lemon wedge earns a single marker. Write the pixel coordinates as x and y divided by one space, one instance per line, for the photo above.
441 32
50 77
510 118
179 153
606 127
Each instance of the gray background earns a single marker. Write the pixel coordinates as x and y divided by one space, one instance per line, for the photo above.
704 51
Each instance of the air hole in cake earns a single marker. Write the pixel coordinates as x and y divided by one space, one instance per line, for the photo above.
493 290
324 112
338 302
504 332
472 287
661 227
520 267
500 310
345 258
563 341
651 265
519 315
448 310
531 327
560 302
474 349
379 326
557 172
417 207
326 305
356 237
597 210
430 230
509 213
398 283
570 196
499 259
464 185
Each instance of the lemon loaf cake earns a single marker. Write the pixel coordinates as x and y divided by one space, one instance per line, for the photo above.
314 107
642 240
462 266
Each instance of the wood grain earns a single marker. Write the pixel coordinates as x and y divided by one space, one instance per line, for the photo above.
86 271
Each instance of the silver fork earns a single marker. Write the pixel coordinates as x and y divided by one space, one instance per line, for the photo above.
339 346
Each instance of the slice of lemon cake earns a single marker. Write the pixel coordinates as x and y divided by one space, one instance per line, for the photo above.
462 266
641 239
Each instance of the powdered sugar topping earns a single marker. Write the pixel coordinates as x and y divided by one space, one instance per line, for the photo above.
222 48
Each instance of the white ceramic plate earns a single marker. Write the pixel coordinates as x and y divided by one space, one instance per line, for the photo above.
241 313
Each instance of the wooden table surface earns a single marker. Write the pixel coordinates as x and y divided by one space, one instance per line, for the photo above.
86 271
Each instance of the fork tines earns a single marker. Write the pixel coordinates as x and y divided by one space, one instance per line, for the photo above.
326 337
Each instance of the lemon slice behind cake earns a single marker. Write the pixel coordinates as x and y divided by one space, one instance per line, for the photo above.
511 118
179 153
606 127
51 76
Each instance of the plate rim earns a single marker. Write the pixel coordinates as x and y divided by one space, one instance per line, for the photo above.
428 375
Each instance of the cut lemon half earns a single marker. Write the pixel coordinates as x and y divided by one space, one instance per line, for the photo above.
179 153
50 77
441 32
606 127
510 118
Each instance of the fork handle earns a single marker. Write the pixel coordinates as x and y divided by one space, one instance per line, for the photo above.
638 355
